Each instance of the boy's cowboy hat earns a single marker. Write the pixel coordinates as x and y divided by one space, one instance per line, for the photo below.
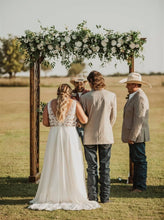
134 78
78 79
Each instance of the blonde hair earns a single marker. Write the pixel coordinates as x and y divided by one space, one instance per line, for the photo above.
63 95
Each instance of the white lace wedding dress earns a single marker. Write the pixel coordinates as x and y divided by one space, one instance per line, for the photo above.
62 183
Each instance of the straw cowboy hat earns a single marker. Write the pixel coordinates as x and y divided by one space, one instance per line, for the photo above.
135 78
78 79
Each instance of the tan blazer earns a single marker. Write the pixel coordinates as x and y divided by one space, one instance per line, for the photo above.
101 109
135 118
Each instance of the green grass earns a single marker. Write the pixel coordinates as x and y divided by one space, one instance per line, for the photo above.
16 191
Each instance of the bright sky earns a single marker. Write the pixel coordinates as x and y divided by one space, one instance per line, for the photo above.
146 16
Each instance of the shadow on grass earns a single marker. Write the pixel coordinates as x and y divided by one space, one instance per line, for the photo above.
20 187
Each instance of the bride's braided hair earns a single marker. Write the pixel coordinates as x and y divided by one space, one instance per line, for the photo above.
63 93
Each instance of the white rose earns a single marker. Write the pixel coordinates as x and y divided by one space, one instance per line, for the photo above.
137 46
113 49
85 46
132 46
67 39
85 40
57 47
62 43
106 40
118 45
55 52
40 47
50 47
120 41
89 51
26 40
78 44
74 37
103 43
113 42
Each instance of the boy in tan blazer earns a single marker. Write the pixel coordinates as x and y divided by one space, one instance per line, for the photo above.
100 107
135 128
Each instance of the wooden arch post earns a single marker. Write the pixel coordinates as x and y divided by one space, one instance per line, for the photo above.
34 120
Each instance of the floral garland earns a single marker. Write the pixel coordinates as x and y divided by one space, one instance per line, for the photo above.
80 44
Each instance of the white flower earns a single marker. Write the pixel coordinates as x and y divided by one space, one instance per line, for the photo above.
113 42
74 37
118 45
89 51
85 40
103 43
132 45
62 43
94 49
120 41
129 38
137 46
40 46
26 41
67 39
57 47
85 46
50 47
78 44
106 40
113 49
54 51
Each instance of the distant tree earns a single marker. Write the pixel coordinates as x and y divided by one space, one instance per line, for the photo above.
11 59
46 67
76 68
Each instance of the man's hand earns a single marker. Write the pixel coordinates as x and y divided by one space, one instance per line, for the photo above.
130 142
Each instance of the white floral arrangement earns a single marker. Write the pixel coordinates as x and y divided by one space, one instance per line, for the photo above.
81 44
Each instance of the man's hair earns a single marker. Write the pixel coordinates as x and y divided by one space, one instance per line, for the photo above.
96 79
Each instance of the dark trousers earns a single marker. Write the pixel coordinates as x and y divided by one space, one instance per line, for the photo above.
138 157
104 152
80 132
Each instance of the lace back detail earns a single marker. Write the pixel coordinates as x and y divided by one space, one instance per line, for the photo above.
70 119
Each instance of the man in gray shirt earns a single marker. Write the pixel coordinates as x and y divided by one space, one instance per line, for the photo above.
101 109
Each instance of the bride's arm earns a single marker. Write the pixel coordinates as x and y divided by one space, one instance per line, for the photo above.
81 114
45 117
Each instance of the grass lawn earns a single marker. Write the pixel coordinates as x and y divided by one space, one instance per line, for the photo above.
16 191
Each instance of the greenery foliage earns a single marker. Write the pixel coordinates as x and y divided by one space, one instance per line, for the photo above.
76 68
81 44
11 60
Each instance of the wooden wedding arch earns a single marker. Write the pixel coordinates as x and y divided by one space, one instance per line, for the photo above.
68 45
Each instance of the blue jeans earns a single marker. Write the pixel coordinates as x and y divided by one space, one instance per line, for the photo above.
138 157
104 151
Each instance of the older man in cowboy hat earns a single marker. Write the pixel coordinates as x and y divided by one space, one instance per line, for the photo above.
79 83
135 128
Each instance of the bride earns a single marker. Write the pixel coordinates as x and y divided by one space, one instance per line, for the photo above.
62 183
